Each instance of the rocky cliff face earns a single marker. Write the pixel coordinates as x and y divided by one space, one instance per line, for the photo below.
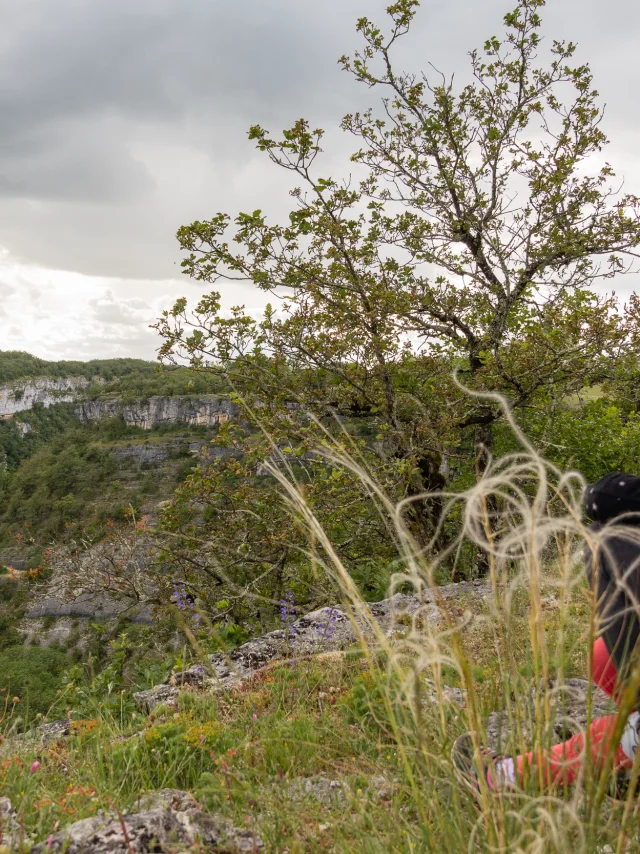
207 410
22 395
157 452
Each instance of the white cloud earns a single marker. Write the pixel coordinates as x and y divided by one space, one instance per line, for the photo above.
58 314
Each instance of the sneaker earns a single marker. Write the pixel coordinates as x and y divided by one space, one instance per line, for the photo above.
471 765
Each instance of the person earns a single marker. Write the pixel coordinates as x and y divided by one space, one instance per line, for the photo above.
612 564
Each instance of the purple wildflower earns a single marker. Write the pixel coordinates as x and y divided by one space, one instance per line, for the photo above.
184 599
288 615
326 630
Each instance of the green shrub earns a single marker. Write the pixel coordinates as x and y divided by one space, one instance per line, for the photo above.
31 674
8 635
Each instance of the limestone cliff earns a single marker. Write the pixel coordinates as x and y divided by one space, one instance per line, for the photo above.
156 452
23 394
207 410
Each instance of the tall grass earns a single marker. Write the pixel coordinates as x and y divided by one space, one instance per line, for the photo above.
385 711
535 631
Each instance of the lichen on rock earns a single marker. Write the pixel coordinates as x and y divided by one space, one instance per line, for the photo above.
309 635
155 830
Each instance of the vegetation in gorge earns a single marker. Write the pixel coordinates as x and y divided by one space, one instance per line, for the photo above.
72 485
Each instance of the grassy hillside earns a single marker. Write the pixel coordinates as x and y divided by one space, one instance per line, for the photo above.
331 753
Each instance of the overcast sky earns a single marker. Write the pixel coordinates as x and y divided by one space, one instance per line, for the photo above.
121 120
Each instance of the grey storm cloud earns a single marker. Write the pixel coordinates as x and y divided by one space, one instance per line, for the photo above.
121 120
157 59
77 78
78 81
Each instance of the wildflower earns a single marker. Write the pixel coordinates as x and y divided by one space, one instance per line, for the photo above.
50 842
184 600
16 700
180 593
34 767
288 615
326 630
254 717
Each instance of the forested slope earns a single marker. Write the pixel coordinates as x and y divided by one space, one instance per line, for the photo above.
18 365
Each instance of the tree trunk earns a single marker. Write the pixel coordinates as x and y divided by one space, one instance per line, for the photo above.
484 452
424 513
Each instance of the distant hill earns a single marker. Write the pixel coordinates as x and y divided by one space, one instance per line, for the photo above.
35 424
17 365
127 379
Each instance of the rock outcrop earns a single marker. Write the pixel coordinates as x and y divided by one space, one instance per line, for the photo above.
23 394
24 428
156 452
336 792
95 606
172 821
321 631
205 410
107 581
45 734
13 559
9 824
151 452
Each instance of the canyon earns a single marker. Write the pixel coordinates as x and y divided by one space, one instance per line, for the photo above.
206 410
